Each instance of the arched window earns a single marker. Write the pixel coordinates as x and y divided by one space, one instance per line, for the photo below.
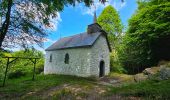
66 59
50 58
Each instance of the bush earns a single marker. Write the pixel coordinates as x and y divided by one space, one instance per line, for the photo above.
39 69
16 74
115 65
40 66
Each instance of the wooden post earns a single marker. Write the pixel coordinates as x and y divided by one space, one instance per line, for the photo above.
34 69
6 72
8 62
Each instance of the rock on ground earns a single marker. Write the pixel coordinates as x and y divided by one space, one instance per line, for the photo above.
164 72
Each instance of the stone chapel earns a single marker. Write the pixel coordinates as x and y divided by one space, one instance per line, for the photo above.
85 54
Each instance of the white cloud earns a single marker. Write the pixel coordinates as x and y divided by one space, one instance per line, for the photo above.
117 4
123 4
49 40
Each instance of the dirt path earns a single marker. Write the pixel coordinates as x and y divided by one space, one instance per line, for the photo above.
73 92
98 90
45 93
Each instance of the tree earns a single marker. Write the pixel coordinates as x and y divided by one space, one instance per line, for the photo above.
25 21
148 36
110 21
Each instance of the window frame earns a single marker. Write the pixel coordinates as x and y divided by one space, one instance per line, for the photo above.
51 58
67 58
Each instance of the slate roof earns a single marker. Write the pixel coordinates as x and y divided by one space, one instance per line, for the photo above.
79 40
85 39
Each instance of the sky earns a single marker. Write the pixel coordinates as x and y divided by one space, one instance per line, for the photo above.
74 20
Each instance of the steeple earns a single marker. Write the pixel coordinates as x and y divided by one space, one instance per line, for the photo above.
94 27
95 17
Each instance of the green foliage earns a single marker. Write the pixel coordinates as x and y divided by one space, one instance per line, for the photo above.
40 66
3 62
29 20
115 63
147 37
22 67
110 21
25 65
16 74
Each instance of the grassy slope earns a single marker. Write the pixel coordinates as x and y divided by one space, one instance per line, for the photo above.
24 85
150 89
21 87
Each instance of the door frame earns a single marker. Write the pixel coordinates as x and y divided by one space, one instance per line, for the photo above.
101 68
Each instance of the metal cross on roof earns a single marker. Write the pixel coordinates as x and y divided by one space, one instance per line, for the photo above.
95 17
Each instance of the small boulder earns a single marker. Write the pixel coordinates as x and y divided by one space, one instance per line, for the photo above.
151 72
164 72
148 71
140 77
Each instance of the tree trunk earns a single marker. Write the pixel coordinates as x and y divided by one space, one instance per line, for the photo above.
5 25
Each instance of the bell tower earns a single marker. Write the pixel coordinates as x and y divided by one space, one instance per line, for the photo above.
95 17
94 27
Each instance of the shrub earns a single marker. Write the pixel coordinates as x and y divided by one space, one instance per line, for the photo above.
39 69
16 74
40 66
115 65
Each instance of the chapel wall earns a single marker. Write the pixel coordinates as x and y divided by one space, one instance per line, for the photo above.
99 52
79 62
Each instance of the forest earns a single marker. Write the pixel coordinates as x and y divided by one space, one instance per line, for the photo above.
145 41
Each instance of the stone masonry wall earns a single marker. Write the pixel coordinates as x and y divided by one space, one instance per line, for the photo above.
100 52
79 60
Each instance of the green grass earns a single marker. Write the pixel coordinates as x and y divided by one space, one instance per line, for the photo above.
122 77
21 86
150 89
